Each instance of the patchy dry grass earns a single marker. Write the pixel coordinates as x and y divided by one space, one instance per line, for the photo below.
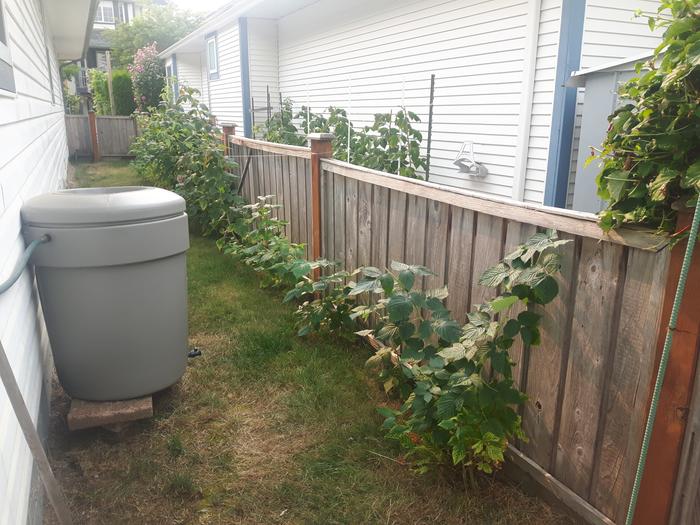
264 428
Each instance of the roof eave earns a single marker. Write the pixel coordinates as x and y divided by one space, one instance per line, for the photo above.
230 12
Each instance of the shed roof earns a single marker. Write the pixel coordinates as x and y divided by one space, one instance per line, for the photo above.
578 78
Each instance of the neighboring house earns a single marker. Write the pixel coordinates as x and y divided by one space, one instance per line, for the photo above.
500 66
34 36
109 13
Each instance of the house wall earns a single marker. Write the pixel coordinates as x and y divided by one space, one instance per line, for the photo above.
33 160
263 65
189 70
225 93
374 55
370 56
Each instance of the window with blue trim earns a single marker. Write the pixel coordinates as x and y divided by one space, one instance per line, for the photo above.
212 56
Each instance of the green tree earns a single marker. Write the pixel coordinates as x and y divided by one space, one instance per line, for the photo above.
163 24
100 92
123 92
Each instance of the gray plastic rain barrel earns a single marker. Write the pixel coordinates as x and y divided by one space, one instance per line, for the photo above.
113 287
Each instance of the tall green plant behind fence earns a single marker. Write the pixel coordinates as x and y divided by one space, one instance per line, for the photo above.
390 144
651 154
123 93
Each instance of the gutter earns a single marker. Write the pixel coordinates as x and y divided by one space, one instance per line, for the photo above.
88 32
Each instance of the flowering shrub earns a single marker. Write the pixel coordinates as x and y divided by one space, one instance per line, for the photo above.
148 77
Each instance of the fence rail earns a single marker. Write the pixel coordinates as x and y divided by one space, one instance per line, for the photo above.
588 382
114 135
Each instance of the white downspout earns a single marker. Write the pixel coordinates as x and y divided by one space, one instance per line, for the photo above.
532 28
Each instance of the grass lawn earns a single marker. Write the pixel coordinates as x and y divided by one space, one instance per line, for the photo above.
264 428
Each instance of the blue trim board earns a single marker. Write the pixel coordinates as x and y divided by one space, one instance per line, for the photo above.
176 85
573 13
245 76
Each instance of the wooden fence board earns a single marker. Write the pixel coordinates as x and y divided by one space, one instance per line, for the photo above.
516 234
588 380
364 224
397 227
593 323
338 212
351 224
414 243
293 191
306 170
546 364
436 242
630 383
328 230
459 255
488 244
380 227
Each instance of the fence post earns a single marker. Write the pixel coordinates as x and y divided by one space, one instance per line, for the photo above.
321 147
662 466
228 129
92 120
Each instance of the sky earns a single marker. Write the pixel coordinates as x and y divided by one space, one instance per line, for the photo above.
203 6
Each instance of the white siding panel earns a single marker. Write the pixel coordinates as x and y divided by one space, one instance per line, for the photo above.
189 70
33 160
542 101
263 62
225 93
374 55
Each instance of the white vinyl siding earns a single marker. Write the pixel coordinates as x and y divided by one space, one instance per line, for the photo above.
33 160
263 65
225 93
370 56
542 101
189 71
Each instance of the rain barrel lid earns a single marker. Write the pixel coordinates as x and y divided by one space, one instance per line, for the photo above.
92 206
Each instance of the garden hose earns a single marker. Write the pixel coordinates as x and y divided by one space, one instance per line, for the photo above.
658 385
7 284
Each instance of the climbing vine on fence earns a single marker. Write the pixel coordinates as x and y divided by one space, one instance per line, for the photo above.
651 154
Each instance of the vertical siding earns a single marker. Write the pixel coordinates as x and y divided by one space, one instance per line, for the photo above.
33 160
263 64
369 56
611 31
225 93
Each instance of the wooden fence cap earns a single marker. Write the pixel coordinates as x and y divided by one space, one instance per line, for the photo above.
320 136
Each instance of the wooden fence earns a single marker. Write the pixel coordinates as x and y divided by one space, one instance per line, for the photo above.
112 134
589 381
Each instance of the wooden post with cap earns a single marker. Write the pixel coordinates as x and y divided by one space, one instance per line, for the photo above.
94 140
321 148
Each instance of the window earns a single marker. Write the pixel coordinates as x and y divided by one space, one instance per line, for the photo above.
126 12
212 57
7 76
105 13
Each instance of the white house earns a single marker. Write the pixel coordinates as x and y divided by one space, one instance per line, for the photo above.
500 65
34 36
